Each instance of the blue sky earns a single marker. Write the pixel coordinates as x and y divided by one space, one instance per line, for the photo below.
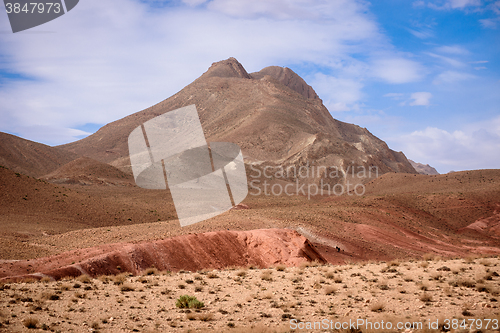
424 76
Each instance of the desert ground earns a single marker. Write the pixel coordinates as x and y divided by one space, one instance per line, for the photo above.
433 292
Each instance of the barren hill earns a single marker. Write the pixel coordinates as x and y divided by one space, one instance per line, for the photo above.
32 208
273 115
31 158
423 169
87 171
213 250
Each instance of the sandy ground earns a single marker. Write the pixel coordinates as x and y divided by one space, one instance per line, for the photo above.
453 292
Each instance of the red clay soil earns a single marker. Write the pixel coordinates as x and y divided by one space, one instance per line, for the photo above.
486 226
215 250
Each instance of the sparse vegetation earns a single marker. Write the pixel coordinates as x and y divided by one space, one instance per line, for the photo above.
377 307
127 287
190 302
30 322
307 293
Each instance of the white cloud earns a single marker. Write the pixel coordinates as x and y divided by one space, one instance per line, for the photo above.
422 34
448 60
452 77
397 70
473 147
490 23
394 96
454 4
101 64
194 2
338 94
455 49
420 98
463 3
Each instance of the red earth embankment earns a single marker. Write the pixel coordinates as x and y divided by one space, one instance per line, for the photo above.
216 250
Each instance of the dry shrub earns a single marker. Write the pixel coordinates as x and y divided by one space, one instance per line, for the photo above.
424 264
84 278
212 275
383 285
315 263
470 259
436 276
241 273
423 286
30 322
80 295
127 287
105 278
425 297
47 295
484 288
205 316
485 262
150 271
329 290
45 279
120 278
266 276
29 280
280 268
466 283
65 286
304 264
393 263
377 307
429 256
268 295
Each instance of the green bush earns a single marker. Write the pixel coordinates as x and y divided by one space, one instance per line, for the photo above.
186 301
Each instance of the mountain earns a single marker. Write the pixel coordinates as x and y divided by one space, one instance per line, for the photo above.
273 115
31 158
423 169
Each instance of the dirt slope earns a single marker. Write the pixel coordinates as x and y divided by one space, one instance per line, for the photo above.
32 208
86 171
31 158
215 250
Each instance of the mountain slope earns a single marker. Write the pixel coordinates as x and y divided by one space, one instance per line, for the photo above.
273 115
87 171
31 158
423 169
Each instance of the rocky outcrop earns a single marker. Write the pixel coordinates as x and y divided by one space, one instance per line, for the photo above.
212 250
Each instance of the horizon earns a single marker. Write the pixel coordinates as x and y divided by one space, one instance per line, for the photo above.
415 80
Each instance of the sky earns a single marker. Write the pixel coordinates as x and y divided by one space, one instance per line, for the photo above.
424 76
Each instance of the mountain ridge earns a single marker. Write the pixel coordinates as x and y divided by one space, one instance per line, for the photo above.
273 123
